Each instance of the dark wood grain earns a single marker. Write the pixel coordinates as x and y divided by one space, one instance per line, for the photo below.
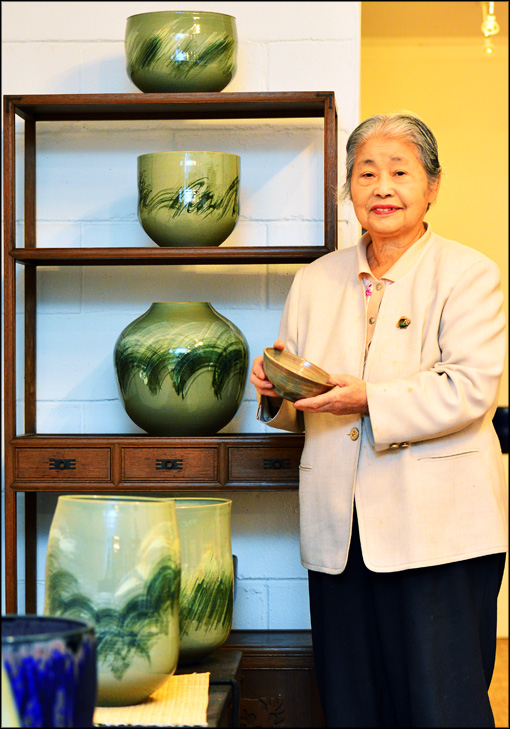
278 685
123 462
217 105
148 256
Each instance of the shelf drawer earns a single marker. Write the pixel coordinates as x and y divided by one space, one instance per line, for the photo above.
264 463
169 464
64 464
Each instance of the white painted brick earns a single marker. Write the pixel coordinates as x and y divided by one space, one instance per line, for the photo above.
251 68
124 234
280 280
108 417
58 235
250 609
275 516
247 233
75 360
288 605
104 69
295 233
116 288
59 417
276 556
285 21
245 420
86 21
318 65
256 20
58 290
41 68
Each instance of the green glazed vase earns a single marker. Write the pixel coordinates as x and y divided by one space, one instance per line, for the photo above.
181 369
188 198
115 561
181 51
207 577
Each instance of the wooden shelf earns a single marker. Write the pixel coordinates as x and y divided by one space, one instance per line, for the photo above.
37 463
218 105
164 256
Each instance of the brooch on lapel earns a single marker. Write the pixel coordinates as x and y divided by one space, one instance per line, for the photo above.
403 322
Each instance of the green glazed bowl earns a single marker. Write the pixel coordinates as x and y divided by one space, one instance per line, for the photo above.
188 198
181 51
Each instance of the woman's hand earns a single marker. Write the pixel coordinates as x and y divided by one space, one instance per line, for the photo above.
349 397
258 376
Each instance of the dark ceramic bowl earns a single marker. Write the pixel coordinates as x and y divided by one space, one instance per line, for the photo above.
52 669
293 377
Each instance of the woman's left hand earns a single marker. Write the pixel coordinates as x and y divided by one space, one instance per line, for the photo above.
347 398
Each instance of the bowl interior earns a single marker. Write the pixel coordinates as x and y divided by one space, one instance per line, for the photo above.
294 366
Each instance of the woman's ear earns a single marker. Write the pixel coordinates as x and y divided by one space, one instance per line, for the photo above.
434 190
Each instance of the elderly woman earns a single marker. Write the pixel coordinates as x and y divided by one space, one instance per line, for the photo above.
402 490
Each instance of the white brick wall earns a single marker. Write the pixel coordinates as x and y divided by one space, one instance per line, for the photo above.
87 196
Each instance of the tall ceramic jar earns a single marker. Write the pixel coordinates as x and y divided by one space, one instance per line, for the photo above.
181 369
207 577
115 562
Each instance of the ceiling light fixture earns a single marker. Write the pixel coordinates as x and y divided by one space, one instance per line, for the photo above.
489 25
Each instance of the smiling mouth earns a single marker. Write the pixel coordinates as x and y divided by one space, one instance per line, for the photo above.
378 210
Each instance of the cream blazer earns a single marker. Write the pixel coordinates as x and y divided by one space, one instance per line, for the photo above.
425 467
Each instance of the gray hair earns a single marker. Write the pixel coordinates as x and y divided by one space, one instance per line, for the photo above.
402 125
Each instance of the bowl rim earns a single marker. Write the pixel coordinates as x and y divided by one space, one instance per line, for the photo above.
188 151
267 351
80 627
200 502
181 12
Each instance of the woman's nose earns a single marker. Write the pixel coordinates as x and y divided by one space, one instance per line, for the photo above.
384 187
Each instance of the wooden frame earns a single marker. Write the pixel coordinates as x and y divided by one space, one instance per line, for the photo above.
265 448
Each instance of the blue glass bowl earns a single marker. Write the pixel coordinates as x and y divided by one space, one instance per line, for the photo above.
52 668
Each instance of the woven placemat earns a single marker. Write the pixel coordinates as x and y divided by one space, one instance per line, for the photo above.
181 701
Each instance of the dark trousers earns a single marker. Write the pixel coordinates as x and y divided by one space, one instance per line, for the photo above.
414 648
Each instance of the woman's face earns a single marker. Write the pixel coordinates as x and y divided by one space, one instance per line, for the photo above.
390 190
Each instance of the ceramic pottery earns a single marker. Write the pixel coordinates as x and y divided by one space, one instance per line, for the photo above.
115 561
50 664
10 715
181 51
294 377
188 198
207 579
181 369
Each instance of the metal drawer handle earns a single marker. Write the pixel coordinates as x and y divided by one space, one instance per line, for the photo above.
168 464
62 464
275 464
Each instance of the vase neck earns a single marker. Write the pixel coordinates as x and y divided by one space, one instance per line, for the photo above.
160 306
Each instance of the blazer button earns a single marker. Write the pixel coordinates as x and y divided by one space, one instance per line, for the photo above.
394 446
404 445
354 434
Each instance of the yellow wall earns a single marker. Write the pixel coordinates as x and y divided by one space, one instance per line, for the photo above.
462 94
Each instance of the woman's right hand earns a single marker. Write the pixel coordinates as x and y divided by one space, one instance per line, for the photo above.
258 376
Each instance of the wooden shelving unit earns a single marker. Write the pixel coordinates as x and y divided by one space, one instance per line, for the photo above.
99 463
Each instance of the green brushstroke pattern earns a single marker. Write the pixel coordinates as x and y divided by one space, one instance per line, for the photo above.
198 198
206 598
120 634
183 54
154 357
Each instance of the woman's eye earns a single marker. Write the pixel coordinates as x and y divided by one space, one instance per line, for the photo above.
367 174
400 173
